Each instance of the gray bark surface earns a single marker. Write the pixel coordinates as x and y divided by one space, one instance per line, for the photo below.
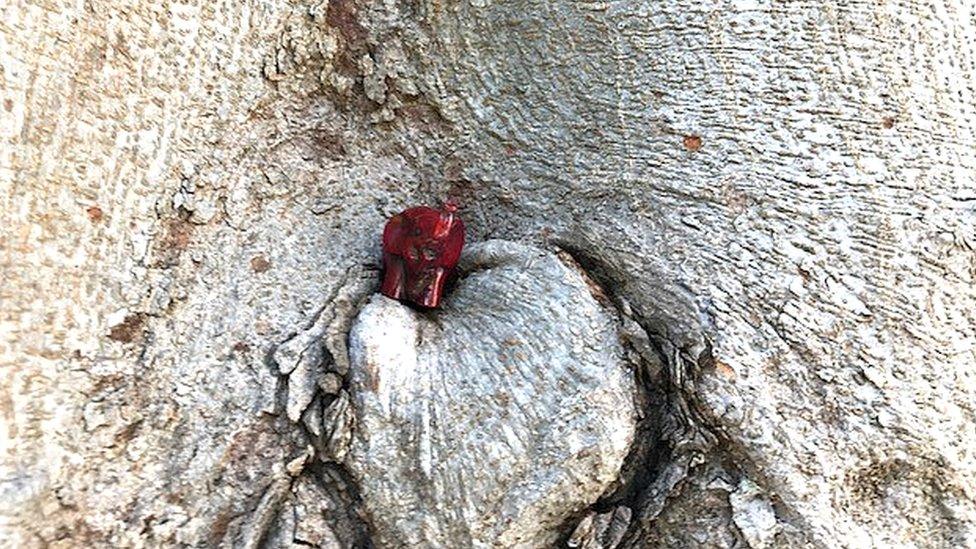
474 441
774 201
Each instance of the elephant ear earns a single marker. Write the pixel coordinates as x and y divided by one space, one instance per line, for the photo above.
494 420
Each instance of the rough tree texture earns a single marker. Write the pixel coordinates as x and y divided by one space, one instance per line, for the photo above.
465 440
777 197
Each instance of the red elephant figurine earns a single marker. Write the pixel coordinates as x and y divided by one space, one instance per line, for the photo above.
421 247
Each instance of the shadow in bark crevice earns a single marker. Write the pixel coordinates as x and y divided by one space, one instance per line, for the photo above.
335 480
672 435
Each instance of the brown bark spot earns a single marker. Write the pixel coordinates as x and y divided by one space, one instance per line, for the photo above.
424 115
220 525
7 412
372 376
127 433
175 239
724 370
453 171
178 235
692 142
260 264
94 213
106 382
888 122
341 14
129 329
327 144
459 191
8 105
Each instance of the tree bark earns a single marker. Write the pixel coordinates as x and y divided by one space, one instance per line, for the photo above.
773 202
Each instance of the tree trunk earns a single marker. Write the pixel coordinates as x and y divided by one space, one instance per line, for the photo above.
736 239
